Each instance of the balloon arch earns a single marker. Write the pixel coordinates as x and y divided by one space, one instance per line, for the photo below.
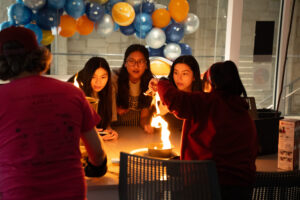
162 26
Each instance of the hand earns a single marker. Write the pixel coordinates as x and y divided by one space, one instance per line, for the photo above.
153 85
163 109
122 111
112 135
148 129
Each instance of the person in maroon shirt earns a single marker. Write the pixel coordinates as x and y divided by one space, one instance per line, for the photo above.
216 127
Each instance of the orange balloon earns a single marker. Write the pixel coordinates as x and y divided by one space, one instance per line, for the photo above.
123 13
161 18
84 26
179 9
67 26
47 37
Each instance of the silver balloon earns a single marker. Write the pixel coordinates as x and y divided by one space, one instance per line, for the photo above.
191 23
158 6
34 4
156 38
106 26
172 51
134 2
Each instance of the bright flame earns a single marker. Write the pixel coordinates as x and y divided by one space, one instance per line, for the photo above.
75 80
157 122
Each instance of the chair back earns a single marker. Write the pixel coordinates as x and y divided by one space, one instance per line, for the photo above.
143 178
277 186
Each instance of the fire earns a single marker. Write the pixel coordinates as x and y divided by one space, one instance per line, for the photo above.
159 122
75 80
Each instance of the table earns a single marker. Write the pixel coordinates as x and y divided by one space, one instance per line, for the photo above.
131 138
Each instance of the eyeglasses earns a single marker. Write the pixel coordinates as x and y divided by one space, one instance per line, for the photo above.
132 62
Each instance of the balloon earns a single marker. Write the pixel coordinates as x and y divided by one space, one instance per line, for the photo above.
18 13
161 18
34 4
67 27
141 34
84 26
106 26
174 32
56 4
47 38
5 24
185 49
75 8
147 7
156 52
158 6
19 1
134 2
116 27
137 8
99 1
156 38
172 51
46 18
178 9
143 22
109 5
127 30
191 23
123 13
160 66
36 29
94 11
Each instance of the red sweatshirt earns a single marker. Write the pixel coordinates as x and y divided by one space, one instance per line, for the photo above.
216 127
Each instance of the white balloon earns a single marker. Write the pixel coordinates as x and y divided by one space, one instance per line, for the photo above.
106 26
191 23
158 6
156 38
172 51
134 2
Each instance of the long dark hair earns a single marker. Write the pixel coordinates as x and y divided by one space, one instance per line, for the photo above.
193 65
123 80
105 95
224 76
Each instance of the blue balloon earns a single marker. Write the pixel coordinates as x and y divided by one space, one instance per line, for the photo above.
147 7
36 29
174 32
127 30
143 22
56 4
137 8
47 18
94 11
156 52
110 4
185 49
5 24
141 34
19 1
19 14
75 8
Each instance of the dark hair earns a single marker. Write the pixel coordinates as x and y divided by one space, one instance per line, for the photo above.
224 76
12 65
194 66
123 80
105 95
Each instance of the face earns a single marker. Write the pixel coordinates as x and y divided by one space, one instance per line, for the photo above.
136 65
183 77
99 79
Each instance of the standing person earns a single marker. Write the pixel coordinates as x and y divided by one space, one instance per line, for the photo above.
41 122
185 76
217 126
131 81
95 80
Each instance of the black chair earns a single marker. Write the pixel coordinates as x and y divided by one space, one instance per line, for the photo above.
143 178
277 186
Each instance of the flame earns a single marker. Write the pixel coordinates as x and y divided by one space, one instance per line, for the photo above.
157 122
76 83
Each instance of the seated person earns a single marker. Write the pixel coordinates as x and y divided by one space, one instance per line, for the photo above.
217 126
130 82
95 80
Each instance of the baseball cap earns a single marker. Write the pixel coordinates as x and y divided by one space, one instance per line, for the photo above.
22 35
